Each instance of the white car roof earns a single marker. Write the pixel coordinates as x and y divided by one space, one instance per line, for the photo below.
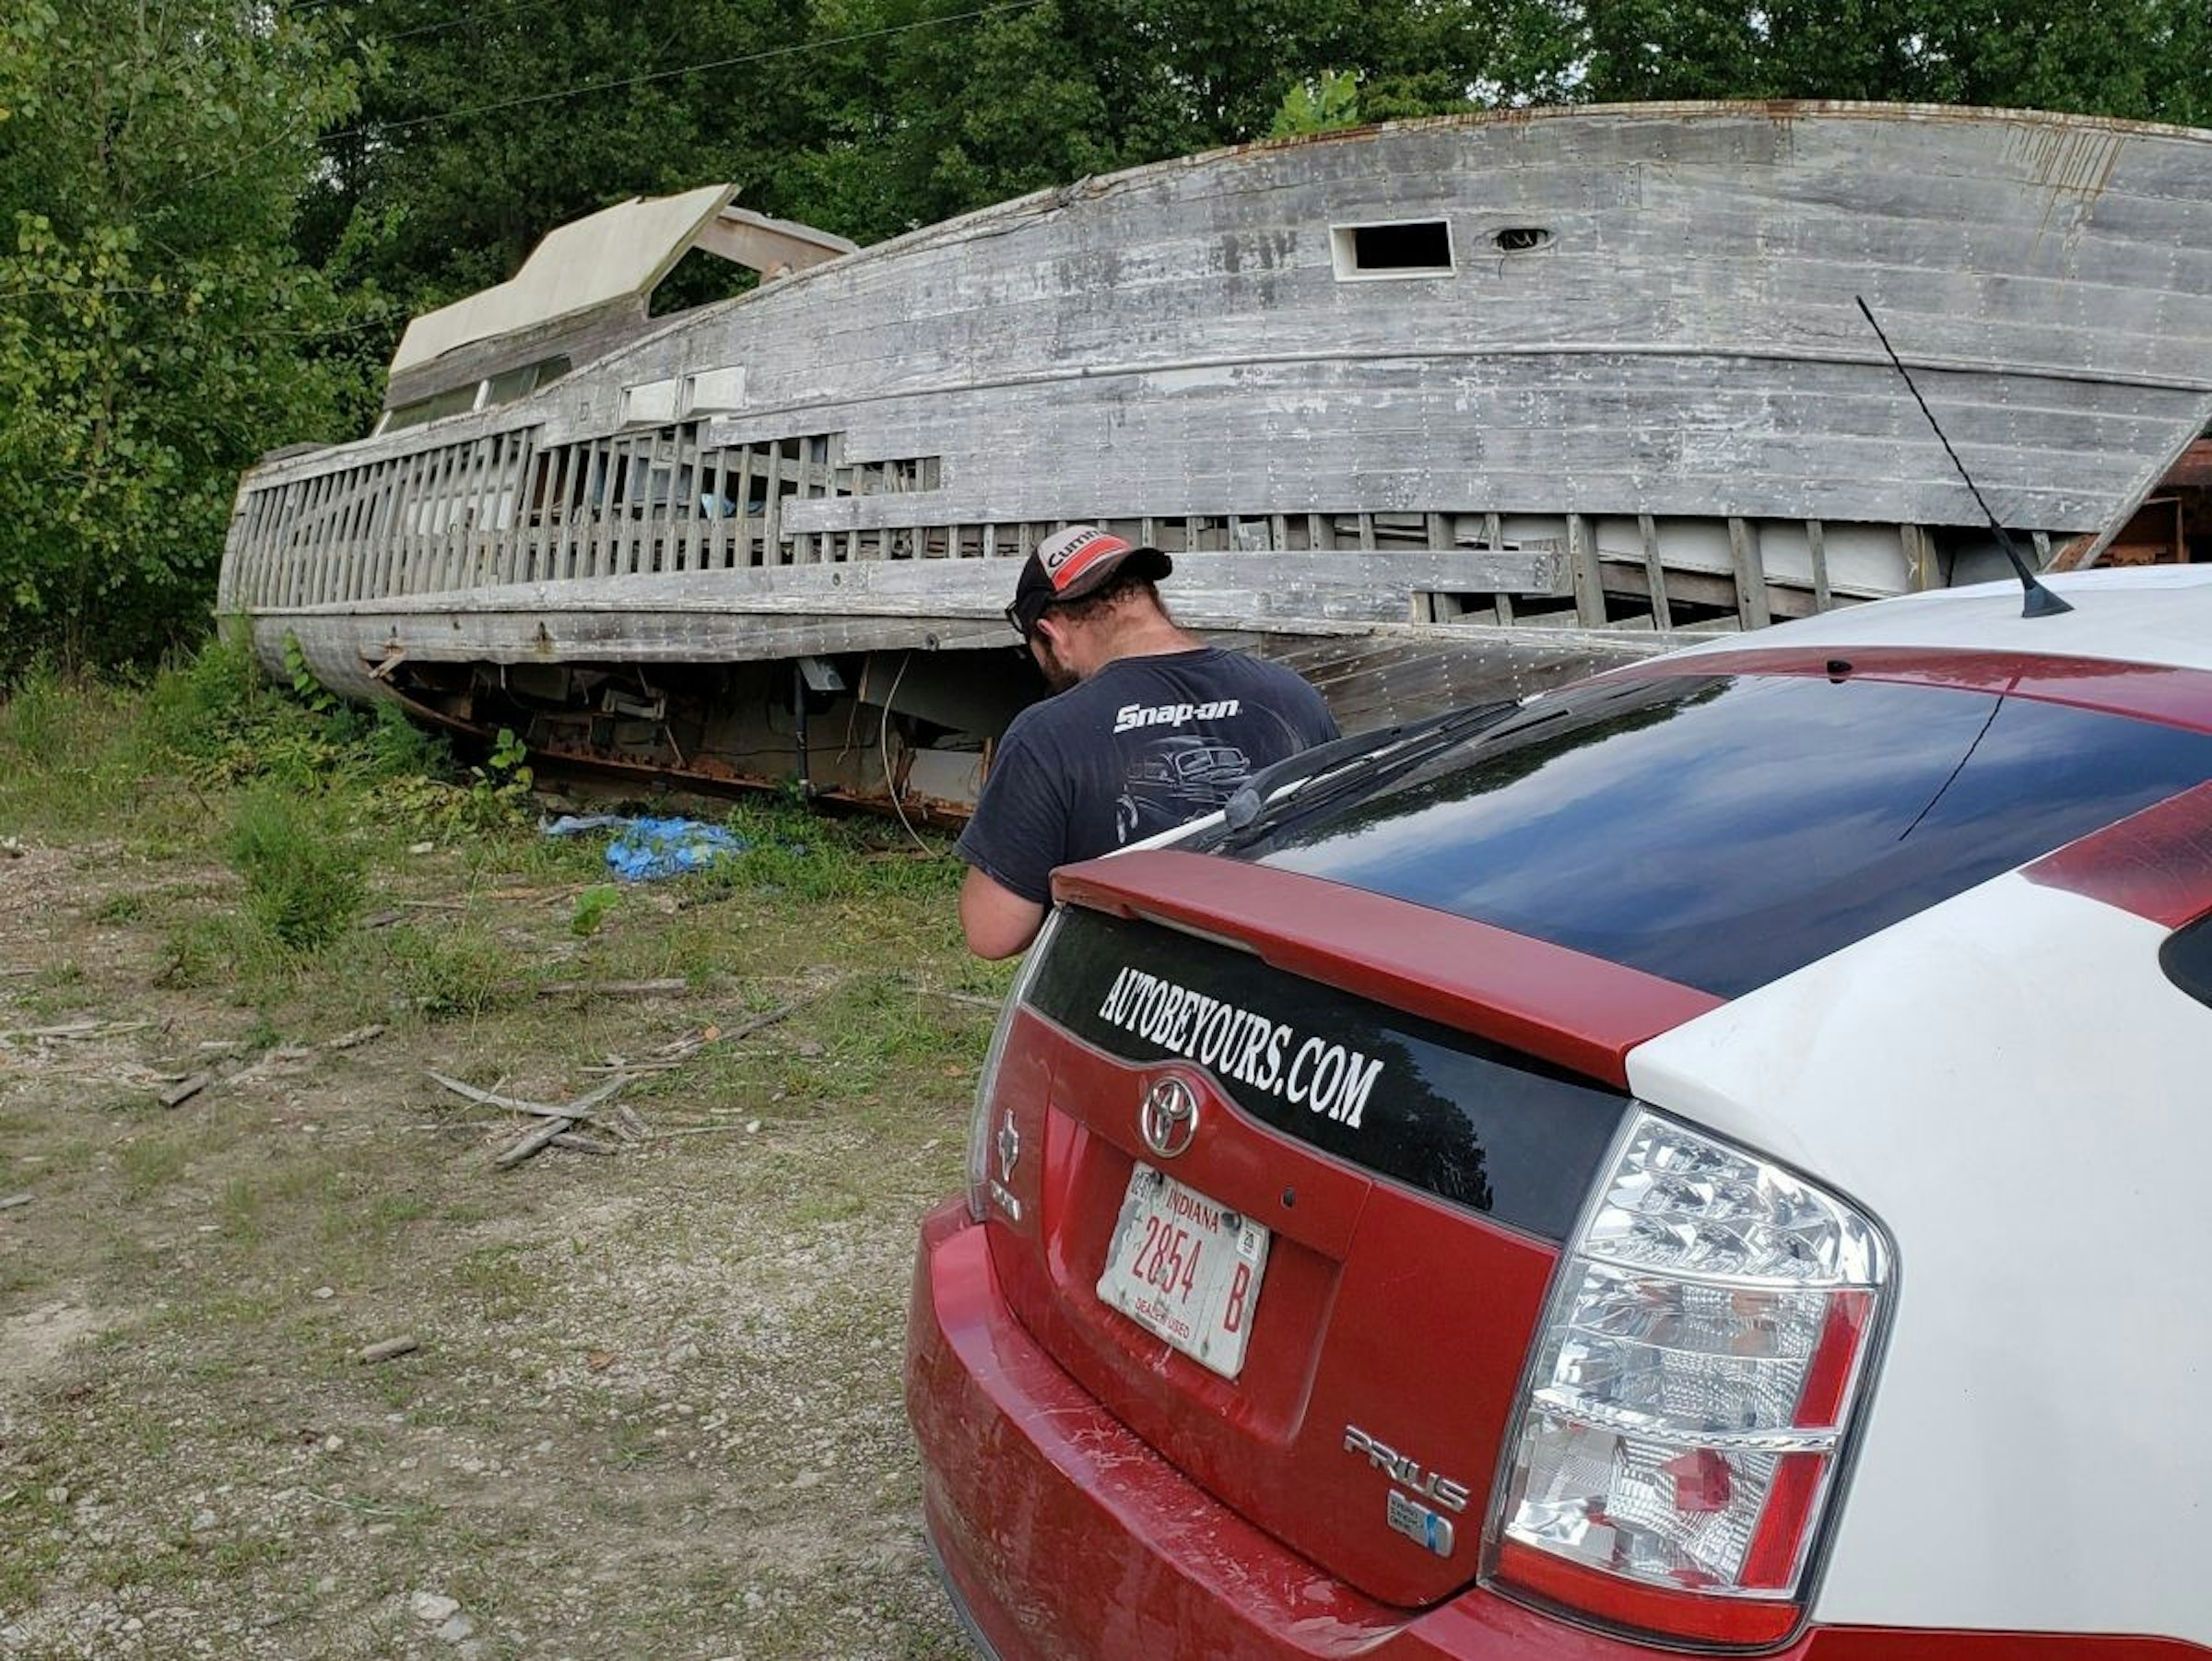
2158 614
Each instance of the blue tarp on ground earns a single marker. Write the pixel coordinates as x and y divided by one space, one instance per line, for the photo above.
647 849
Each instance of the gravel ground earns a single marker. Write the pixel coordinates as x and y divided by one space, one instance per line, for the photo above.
655 1410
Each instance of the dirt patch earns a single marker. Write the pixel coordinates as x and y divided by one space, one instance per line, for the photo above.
32 1343
654 1408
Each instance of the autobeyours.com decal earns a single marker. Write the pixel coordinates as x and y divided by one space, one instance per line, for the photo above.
1313 1072
1465 1120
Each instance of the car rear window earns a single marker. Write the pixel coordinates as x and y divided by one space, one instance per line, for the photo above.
1724 830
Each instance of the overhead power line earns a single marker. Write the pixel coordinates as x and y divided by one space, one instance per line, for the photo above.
796 49
493 16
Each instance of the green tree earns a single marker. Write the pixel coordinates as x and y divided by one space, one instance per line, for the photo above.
481 129
949 113
2143 59
156 330
1322 106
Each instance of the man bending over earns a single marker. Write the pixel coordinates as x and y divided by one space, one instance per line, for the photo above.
1148 728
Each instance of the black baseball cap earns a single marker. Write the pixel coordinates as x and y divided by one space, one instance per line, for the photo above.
1071 563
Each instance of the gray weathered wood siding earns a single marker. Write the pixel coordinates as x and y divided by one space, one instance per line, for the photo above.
1677 381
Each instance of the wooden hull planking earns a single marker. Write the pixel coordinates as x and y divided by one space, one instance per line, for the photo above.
1635 396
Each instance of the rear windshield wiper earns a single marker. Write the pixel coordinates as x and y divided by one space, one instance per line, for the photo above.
1265 799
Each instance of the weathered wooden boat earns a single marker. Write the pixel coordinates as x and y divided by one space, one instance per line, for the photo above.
1428 409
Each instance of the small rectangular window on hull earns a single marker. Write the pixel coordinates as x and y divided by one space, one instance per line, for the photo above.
1400 248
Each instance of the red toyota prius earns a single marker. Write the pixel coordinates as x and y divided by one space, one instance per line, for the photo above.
1709 1159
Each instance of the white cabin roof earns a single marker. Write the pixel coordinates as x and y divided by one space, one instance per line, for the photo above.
621 253
606 256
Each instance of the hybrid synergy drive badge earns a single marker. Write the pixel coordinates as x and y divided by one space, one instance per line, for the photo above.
1419 1524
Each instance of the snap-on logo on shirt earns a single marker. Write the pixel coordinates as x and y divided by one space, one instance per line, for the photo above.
1130 716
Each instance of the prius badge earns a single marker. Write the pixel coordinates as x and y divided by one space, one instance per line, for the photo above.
1415 1521
1168 1118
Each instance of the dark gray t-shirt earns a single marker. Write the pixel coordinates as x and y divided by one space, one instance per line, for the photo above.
1143 746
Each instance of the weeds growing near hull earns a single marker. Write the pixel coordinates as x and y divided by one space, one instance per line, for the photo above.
313 805
459 974
304 879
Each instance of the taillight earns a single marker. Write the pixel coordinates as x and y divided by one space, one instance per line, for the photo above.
1691 1395
981 1130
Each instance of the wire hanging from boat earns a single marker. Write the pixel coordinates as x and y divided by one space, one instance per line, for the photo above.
883 748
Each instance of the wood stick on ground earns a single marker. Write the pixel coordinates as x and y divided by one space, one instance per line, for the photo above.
745 1028
353 1040
76 1029
972 999
176 1095
613 988
558 1121
536 1142
699 1130
579 1108
569 1139
270 1060
13 1200
385 1351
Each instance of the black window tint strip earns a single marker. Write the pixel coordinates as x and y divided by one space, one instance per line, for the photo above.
1468 1121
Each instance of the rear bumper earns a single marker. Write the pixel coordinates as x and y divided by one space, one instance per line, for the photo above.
1060 1533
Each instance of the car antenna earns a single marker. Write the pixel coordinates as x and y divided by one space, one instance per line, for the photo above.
2041 601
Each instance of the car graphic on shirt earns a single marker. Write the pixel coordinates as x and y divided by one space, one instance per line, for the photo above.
1174 781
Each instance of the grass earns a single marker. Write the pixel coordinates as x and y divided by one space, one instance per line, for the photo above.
125 905
303 876
466 972
149 1165
232 866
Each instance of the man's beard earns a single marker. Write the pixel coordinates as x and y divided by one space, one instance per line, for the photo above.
1057 675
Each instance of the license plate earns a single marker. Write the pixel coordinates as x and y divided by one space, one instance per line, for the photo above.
1185 1269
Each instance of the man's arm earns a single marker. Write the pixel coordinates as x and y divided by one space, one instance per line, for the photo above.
1017 834
997 922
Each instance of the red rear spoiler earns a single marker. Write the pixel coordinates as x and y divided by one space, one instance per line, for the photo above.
1564 1006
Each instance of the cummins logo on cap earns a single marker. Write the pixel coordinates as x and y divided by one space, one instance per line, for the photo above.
1067 554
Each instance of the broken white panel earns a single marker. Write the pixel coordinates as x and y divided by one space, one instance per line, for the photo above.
650 401
715 389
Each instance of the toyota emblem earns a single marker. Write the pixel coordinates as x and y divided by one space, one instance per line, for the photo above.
1169 1117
